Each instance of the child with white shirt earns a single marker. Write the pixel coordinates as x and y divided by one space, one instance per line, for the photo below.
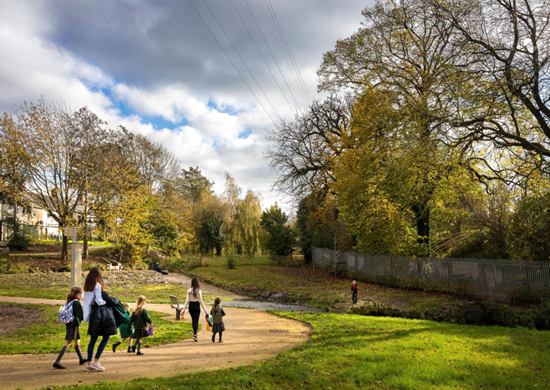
100 318
194 301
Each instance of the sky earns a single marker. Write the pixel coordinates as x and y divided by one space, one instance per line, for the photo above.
154 67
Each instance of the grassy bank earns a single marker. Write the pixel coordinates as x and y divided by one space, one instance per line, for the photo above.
48 334
348 351
31 286
316 288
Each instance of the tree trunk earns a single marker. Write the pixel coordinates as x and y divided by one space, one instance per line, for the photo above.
422 214
64 246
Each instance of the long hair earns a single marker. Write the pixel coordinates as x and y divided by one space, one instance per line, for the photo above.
196 286
75 292
94 277
139 305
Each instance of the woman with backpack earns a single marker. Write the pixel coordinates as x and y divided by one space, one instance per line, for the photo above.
72 315
194 301
100 317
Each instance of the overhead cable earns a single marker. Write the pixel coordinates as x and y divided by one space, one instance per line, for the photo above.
261 55
272 55
246 66
268 2
232 63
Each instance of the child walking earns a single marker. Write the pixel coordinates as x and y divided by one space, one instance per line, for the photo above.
126 330
140 318
354 291
71 329
217 313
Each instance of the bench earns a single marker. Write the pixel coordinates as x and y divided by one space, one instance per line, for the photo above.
175 304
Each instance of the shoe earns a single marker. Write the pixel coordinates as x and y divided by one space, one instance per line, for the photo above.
140 353
221 341
130 350
133 348
114 348
88 368
82 361
213 338
97 366
59 365
196 338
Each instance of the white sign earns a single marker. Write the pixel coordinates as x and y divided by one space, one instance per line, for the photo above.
69 232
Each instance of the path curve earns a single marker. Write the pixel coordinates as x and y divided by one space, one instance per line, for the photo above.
247 340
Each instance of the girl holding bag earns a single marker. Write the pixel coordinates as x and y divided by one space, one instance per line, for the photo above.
194 301
100 317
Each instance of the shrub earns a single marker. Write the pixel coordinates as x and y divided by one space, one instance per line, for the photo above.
231 262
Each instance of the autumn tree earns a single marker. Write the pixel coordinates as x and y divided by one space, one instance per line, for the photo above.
280 236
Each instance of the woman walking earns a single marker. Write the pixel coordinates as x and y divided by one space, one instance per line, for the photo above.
194 301
100 318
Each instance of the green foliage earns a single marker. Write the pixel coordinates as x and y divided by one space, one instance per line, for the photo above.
280 236
231 262
529 231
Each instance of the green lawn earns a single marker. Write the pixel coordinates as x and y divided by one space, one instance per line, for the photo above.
47 336
357 352
316 288
22 286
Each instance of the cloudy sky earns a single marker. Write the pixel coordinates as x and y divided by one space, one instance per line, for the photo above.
154 67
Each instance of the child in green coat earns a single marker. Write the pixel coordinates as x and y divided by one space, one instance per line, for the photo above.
217 313
126 330
140 318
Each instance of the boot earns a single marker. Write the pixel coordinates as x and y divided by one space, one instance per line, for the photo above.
138 349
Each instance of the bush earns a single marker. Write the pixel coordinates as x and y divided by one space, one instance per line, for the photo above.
231 262
19 241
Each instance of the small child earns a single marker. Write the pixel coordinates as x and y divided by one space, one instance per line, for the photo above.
354 291
126 330
71 329
140 318
217 314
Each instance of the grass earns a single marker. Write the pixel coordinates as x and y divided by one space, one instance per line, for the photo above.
347 351
90 243
304 286
19 286
47 336
216 261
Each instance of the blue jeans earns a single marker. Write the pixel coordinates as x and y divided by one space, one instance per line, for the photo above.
100 348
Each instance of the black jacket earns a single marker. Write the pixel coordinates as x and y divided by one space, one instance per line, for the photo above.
102 320
113 303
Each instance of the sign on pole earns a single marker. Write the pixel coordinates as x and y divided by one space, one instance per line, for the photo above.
76 259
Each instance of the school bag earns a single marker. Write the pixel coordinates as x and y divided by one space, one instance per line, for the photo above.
66 312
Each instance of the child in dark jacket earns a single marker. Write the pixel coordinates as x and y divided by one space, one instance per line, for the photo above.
140 318
217 314
71 329
126 330
354 291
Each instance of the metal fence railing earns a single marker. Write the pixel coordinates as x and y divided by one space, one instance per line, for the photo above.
495 280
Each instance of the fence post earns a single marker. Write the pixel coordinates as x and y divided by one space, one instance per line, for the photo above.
527 278
484 277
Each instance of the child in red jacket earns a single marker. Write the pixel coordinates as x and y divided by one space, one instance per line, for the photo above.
354 292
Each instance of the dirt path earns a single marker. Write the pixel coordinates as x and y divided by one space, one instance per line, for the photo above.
248 339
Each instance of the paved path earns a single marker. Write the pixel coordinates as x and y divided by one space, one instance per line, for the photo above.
247 340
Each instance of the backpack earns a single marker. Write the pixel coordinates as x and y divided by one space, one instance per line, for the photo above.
66 312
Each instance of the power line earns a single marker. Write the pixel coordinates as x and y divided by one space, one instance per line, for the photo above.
276 34
259 51
236 51
232 63
268 2
272 55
